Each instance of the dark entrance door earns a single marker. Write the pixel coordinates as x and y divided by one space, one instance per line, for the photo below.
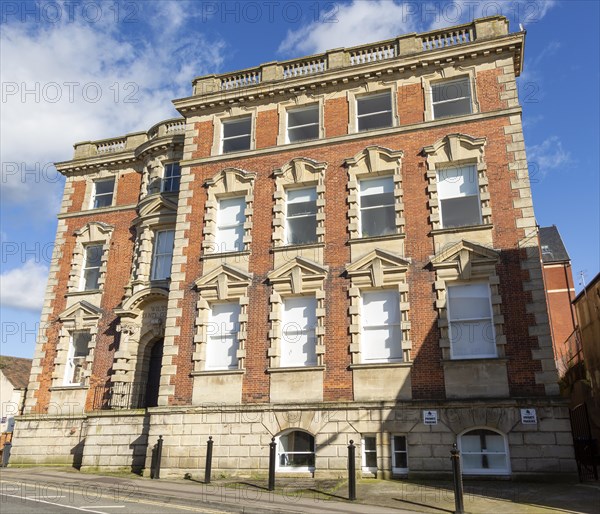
154 366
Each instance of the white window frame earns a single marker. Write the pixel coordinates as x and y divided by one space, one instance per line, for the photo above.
485 471
449 286
236 119
363 327
317 123
288 231
156 255
289 332
387 92
171 166
471 169
396 470
219 242
365 468
296 469
362 181
95 195
216 333
71 363
464 78
85 266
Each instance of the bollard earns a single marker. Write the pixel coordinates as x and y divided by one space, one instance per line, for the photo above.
458 485
351 471
6 454
159 446
208 468
272 457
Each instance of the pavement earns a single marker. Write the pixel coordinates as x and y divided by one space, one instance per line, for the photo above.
58 490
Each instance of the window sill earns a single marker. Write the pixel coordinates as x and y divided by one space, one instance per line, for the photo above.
376 238
376 365
285 248
84 293
295 369
210 372
476 360
216 255
466 228
69 387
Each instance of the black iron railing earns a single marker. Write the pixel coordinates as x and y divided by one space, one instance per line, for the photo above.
119 395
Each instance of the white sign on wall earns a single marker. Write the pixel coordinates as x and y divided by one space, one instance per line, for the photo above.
528 417
430 417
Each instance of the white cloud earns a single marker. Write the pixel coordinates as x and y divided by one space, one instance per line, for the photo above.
350 24
24 287
88 81
548 155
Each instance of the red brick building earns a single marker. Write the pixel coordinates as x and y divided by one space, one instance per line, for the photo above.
329 248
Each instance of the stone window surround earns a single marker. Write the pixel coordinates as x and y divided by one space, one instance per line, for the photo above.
299 101
88 197
230 114
467 268
297 173
448 73
224 284
451 151
504 472
374 161
92 233
298 277
367 89
73 323
377 271
228 183
160 160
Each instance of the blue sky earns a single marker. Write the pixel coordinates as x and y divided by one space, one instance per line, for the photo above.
79 70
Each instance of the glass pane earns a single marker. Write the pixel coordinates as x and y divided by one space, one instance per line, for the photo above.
302 230
104 186
230 239
460 212
221 352
300 442
381 344
399 443
103 201
494 442
454 108
231 211
451 90
81 341
93 256
236 145
303 116
303 133
374 103
471 443
380 308
371 459
297 332
461 181
375 121
90 278
472 338
308 194
376 186
496 461
299 209
469 301
370 443
164 241
172 170
162 267
378 222
223 319
400 460
237 127
472 461
379 199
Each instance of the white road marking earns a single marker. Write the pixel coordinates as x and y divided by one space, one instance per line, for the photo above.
109 506
52 503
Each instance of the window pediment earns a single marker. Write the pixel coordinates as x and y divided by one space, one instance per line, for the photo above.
224 281
232 179
462 256
299 274
377 266
376 159
94 231
301 170
156 206
454 148
80 313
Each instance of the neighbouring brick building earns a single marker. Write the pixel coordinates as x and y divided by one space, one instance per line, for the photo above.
335 247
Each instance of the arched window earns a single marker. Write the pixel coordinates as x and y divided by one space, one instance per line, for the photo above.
296 451
483 452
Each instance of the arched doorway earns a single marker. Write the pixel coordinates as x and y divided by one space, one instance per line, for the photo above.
151 368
